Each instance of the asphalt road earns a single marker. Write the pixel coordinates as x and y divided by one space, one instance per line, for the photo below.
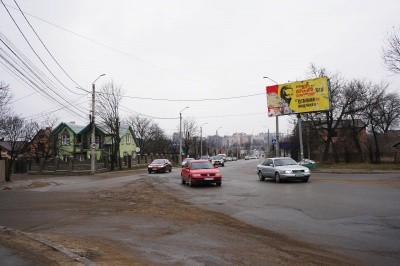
357 215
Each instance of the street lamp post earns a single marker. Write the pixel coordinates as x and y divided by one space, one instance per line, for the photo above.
93 144
180 135
201 139
216 133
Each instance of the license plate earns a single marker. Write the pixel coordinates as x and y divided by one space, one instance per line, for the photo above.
154 169
299 175
209 178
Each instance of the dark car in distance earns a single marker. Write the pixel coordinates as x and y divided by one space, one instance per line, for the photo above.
200 172
160 166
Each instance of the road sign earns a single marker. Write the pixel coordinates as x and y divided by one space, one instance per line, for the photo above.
273 141
93 145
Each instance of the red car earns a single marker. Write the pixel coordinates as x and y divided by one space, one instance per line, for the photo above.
200 172
160 166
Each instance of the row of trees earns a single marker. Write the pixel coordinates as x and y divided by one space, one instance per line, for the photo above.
359 100
356 104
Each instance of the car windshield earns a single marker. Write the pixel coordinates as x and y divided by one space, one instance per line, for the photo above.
188 159
217 158
158 161
202 165
283 162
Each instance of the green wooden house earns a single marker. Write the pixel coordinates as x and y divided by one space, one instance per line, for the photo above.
72 140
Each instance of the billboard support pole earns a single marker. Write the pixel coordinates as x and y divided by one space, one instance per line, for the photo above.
277 150
300 137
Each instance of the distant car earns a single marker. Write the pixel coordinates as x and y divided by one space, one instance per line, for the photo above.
247 157
186 159
281 169
223 156
205 157
200 172
160 166
229 159
218 160
234 159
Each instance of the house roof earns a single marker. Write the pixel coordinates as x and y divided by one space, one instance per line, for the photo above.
71 125
6 145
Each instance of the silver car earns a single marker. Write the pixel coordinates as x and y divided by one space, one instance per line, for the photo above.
281 169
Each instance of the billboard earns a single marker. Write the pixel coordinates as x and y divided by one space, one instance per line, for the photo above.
299 97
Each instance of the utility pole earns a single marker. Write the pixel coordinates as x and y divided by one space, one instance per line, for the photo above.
93 144
201 139
180 136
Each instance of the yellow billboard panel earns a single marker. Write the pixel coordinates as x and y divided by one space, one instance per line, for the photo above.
298 97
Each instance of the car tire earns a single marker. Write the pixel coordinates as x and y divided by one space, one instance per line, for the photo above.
149 171
260 176
218 184
190 182
170 169
278 178
223 165
305 180
182 180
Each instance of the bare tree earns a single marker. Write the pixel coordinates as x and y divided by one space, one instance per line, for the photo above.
342 96
374 97
389 109
17 132
146 130
5 98
43 145
189 131
391 53
107 105
159 143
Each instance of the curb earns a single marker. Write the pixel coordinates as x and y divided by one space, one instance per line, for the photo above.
15 184
53 245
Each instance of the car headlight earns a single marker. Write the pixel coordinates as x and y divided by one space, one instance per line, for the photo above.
287 171
307 171
217 174
196 175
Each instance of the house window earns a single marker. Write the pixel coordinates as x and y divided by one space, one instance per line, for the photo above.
78 139
40 147
128 139
65 138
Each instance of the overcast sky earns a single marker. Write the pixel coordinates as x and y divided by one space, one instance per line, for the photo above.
210 56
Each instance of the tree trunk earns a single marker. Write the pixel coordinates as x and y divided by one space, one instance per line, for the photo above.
327 144
377 151
9 167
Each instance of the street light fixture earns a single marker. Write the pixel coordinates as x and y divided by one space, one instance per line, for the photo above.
93 144
201 139
180 135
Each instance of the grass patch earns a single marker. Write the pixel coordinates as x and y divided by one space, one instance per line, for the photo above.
382 166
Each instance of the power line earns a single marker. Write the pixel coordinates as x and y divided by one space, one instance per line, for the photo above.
16 24
123 53
46 47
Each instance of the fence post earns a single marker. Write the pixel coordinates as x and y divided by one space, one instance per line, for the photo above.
129 161
41 165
